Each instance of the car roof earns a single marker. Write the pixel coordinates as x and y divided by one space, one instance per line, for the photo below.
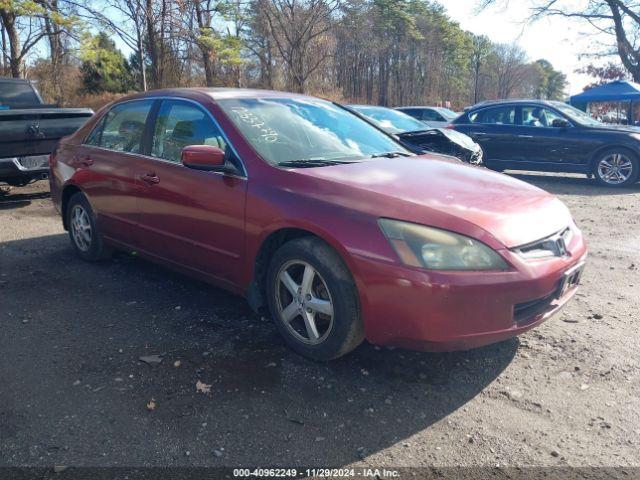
417 106
355 105
512 101
216 93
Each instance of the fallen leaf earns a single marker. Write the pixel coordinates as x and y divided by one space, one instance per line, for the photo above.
202 387
177 363
151 406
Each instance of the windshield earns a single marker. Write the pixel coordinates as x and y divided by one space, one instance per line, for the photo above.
576 115
287 130
391 121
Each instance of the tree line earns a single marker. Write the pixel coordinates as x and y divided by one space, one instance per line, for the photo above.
387 52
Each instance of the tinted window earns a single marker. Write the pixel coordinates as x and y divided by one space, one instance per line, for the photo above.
432 115
533 116
305 129
122 127
495 116
181 124
16 95
413 112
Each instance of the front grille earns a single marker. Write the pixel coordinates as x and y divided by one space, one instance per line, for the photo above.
526 312
552 246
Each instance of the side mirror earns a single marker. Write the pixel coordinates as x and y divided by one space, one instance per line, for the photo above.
203 157
560 123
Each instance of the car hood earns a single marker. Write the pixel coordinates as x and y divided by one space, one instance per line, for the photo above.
440 192
454 136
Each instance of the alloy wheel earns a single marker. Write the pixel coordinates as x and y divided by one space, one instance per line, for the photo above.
303 302
81 228
615 168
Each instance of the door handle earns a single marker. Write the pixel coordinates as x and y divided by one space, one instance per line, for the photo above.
149 178
478 134
525 136
86 161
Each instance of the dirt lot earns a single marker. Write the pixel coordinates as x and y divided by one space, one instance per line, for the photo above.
73 391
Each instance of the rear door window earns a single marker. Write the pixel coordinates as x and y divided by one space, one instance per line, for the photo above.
180 124
122 127
494 116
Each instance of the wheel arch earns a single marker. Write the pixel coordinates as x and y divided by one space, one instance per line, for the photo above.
600 150
67 192
268 246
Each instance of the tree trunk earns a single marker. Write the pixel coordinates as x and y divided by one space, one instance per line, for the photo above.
143 70
4 49
56 50
205 50
15 58
154 51
140 48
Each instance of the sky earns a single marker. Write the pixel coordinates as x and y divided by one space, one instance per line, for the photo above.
559 40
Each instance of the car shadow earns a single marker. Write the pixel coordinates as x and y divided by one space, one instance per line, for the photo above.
75 350
566 184
10 199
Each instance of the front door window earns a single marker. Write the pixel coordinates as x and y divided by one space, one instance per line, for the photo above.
180 124
533 116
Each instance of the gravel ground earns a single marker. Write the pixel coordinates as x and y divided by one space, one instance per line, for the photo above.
74 391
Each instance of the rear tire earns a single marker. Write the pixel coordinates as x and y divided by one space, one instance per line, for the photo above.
616 167
85 237
313 300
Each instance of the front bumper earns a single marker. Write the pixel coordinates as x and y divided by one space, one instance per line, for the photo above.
446 311
18 169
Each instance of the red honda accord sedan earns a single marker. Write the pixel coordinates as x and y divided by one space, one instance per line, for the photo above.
306 209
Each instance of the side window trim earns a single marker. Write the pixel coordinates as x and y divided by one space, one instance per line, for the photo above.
149 128
151 122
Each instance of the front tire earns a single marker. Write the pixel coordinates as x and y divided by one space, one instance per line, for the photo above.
85 237
313 300
616 168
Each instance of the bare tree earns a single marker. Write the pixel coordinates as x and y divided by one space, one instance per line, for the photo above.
296 26
23 26
620 19
510 67
482 48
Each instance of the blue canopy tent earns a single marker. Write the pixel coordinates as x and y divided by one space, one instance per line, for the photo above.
620 91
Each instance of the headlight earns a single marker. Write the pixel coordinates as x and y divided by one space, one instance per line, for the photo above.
435 249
